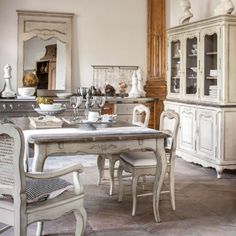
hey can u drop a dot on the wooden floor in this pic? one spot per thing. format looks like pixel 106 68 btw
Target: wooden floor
pixel 205 206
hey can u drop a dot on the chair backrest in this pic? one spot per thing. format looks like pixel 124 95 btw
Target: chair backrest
pixel 12 177
pixel 169 123
pixel 137 115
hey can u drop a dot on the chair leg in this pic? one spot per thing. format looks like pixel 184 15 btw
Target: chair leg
pixel 81 219
pixel 39 230
pixel 120 180
pixel 100 164
pixel 111 173
pixel 172 185
pixel 20 223
pixel 134 193
pixel 144 182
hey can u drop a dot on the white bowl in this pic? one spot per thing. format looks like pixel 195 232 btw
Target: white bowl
pixel 26 91
pixel 50 107
pixel 64 95
pixel 213 72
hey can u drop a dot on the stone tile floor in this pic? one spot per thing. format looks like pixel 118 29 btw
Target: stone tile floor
pixel 205 206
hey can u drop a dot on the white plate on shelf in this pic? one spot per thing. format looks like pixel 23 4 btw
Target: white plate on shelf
pixel 50 112
pixel 64 95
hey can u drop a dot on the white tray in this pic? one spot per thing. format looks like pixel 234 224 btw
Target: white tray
pixel 46 122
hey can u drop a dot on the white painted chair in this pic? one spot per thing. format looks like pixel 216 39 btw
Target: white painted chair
pixel 145 163
pixel 139 120
pixel 24 197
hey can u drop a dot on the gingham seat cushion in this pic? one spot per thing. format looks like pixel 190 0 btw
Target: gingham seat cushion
pixel 38 190
pixel 43 189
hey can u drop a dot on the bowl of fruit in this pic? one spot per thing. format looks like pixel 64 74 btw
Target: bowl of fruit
pixel 48 107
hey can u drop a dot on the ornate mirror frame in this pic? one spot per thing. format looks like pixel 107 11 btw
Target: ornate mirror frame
pixel 45 25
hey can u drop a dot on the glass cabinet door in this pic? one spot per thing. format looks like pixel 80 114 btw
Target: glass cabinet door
pixel 210 65
pixel 175 67
pixel 191 66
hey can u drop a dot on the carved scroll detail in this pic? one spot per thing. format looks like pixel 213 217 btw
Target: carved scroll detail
pixel 103 147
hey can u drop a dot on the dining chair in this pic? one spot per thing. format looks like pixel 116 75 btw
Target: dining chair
pixel 138 119
pixel 27 197
pixel 145 163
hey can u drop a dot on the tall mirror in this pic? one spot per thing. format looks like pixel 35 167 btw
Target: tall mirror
pixel 44 47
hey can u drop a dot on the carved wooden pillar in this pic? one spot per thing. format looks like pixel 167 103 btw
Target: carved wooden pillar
pixel 156 82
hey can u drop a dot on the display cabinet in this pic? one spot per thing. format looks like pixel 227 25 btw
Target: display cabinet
pixel 201 88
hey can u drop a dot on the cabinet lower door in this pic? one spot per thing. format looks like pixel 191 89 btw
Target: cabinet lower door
pixel 206 132
pixel 187 129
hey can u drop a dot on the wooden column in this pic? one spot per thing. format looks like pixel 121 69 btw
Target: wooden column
pixel 156 81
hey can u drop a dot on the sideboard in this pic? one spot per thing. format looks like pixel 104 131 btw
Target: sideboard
pixel 123 107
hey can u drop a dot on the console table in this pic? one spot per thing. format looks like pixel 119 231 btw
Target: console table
pixel 121 106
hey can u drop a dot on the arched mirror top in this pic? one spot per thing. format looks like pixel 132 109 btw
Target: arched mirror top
pixel 54 31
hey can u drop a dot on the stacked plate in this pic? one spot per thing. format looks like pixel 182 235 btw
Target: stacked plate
pixel 213 90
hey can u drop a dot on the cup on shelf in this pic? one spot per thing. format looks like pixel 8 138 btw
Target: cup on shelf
pixel 213 72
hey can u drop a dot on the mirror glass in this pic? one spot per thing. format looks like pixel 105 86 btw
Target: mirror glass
pixel 47 58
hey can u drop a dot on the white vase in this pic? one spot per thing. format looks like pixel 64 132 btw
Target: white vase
pixel 134 92
pixel 140 83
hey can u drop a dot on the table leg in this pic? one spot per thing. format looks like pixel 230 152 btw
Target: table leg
pixel 159 179
pixel 39 157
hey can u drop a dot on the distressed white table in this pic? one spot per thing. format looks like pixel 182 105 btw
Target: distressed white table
pixel 105 141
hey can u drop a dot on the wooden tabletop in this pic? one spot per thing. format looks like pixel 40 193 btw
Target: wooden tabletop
pixel 123 131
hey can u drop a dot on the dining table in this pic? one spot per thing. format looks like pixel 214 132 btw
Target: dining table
pixel 104 139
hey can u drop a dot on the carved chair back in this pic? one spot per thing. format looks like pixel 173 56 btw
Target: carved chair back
pixel 12 177
pixel 169 123
pixel 137 115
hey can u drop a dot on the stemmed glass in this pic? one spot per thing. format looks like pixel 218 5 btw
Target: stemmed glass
pixel 75 102
pixel 100 101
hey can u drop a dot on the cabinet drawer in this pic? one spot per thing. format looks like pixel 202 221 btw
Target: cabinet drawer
pixel 15 106
pixel 125 108
pixel 126 118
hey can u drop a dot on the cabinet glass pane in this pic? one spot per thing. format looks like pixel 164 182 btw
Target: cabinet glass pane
pixel 210 65
pixel 191 68
pixel 175 67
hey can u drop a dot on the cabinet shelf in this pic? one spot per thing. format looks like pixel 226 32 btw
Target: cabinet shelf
pixel 192 77
pixel 176 57
pixel 211 53
pixel 192 55
pixel 211 77
pixel 175 77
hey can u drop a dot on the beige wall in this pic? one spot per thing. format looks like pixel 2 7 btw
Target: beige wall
pixel 105 32
pixel 200 8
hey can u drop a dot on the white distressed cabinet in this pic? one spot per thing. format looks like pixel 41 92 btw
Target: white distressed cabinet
pixel 201 83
